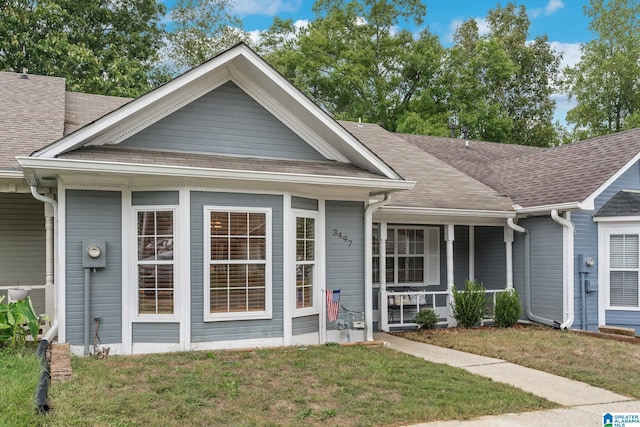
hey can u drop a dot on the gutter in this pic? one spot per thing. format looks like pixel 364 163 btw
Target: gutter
pixel 368 264
pixel 50 254
pixel 567 268
pixel 527 276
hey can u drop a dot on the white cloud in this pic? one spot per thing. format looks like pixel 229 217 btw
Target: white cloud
pixel 483 27
pixel 265 7
pixel 570 53
pixel 552 7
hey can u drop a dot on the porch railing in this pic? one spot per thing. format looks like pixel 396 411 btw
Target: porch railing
pixel 402 307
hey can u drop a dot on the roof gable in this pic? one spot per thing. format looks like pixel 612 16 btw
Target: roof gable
pixel 225 121
pixel 624 203
pixel 255 77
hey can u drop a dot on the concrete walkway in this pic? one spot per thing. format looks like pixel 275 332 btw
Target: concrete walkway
pixel 583 405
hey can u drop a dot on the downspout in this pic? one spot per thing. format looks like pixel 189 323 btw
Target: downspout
pixel 567 267
pixel 368 260
pixel 51 229
pixel 527 276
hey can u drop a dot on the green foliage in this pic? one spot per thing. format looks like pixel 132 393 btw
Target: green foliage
pixel 469 305
pixel 203 28
pixel 605 83
pixel 352 60
pixel 107 47
pixel 426 319
pixel 500 83
pixel 507 310
pixel 18 320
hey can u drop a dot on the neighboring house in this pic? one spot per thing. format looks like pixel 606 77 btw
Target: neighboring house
pixel 216 210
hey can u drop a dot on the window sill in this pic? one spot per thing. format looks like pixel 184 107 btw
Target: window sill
pixel 305 312
pixel 230 317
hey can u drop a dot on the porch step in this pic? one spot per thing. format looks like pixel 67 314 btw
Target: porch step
pixel 60 365
pixel 616 330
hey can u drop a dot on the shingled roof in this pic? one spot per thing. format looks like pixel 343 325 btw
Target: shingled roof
pixel 439 185
pixel 537 176
pixel 31 115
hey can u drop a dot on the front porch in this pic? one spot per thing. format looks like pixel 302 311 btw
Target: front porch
pixel 416 266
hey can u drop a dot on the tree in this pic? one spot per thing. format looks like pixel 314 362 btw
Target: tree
pixel 606 81
pixel 500 85
pixel 351 59
pixel 203 28
pixel 107 47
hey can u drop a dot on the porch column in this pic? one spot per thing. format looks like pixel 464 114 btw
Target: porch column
pixel 49 261
pixel 472 253
pixel 383 306
pixel 449 238
pixel 508 242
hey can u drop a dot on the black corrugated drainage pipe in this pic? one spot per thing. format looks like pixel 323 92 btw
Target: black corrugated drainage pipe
pixel 527 277
pixel 42 389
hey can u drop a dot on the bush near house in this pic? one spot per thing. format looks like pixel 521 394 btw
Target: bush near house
pixel 426 319
pixel 18 321
pixel 469 305
pixel 507 308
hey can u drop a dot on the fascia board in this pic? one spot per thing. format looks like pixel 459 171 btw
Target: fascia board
pixel 617 219
pixel 548 208
pixel 401 215
pixel 56 165
pixel 590 200
pixel 447 212
pixel 80 137
pixel 11 174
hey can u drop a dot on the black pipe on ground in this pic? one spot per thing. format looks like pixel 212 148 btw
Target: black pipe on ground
pixel 42 389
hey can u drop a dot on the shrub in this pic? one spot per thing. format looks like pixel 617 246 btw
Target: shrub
pixel 426 319
pixel 469 305
pixel 18 321
pixel 507 310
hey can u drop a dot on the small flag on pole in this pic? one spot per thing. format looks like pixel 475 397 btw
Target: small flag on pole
pixel 333 304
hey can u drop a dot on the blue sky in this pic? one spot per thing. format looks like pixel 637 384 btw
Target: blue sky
pixel 563 21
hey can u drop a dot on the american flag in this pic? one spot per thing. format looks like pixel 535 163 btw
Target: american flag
pixel 333 304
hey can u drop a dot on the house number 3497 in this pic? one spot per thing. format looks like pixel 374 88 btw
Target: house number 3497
pixel 337 233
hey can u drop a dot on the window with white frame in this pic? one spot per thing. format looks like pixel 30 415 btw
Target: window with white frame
pixel 155 261
pixel 624 269
pixel 237 263
pixel 412 255
pixel 306 262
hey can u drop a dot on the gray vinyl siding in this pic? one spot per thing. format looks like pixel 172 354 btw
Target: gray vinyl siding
pixel 168 333
pixel 225 121
pixel 22 252
pixel 150 198
pixel 586 242
pixel 93 215
pixel 243 329
pixel 490 257
pixel 304 203
pixel 344 262
pixel 305 325
pixel 546 266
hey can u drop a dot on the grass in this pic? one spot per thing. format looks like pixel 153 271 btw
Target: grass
pixel 326 385
pixel 19 370
pixel 602 363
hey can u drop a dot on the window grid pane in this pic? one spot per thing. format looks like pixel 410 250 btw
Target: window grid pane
pixel 155 262
pixel 305 261
pixel 237 265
